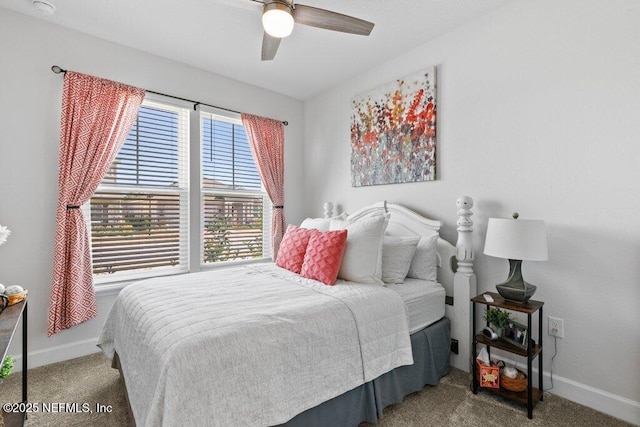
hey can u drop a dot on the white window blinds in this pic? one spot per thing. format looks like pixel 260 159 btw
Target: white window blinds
pixel 236 220
pixel 139 215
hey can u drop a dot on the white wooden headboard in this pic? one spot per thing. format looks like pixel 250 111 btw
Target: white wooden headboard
pixel 404 222
pixel 455 263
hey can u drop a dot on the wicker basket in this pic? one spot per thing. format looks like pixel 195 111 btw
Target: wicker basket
pixel 517 384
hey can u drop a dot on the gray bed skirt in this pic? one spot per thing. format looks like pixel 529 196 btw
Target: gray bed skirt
pixel 430 346
pixel 431 351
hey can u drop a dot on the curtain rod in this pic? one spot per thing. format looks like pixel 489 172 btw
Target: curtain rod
pixel 59 70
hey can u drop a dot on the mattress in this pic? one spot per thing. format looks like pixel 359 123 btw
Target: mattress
pixel 424 300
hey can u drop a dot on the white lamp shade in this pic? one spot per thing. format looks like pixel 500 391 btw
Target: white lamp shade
pixel 522 239
pixel 277 20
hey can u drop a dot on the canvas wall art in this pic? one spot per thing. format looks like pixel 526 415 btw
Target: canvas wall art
pixel 393 132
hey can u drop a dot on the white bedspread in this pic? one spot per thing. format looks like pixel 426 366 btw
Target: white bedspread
pixel 252 345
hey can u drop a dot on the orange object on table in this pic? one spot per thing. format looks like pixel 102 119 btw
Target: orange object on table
pixel 488 375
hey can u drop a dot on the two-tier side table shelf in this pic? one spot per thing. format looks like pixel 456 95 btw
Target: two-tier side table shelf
pixel 9 319
pixel 531 395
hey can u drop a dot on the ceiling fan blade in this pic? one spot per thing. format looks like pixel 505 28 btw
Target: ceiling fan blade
pixel 269 47
pixel 328 20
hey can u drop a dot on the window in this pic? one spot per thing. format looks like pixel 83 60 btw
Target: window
pixel 139 214
pixel 236 220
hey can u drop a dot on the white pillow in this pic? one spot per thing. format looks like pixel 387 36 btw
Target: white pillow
pixel 425 262
pixel 397 253
pixel 362 259
pixel 321 224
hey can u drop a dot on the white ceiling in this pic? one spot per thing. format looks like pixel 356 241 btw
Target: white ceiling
pixel 225 36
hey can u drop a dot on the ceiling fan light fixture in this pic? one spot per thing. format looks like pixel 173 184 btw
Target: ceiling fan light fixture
pixel 277 19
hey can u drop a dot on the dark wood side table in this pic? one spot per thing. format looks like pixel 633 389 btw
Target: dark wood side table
pixel 9 319
pixel 531 395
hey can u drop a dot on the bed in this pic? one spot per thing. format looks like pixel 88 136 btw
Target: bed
pixel 260 345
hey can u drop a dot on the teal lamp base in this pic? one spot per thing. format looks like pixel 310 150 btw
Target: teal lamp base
pixel 515 288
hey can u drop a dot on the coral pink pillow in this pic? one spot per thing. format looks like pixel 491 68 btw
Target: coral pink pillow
pixel 324 255
pixel 292 248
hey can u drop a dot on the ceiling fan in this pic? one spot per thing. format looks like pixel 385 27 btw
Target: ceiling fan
pixel 279 16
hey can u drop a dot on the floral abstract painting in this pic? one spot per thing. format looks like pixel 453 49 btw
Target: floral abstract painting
pixel 393 132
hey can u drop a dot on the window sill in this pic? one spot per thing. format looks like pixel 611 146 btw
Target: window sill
pixel 103 288
pixel 110 289
pixel 225 264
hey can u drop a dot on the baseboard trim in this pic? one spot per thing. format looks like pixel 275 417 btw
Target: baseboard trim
pixel 58 353
pixel 612 404
pixel 600 400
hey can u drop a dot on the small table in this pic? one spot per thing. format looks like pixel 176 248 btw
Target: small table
pixel 531 396
pixel 9 319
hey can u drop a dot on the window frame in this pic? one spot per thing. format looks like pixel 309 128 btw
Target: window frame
pixel 192 227
pixel 233 118
pixel 183 190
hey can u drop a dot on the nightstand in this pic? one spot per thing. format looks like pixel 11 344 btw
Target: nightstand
pixel 531 396
pixel 9 319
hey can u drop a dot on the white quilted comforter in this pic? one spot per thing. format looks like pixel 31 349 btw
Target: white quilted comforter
pixel 251 345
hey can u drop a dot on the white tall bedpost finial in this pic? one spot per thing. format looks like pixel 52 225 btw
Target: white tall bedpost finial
pixel 464 246
pixel 328 209
pixel 464 287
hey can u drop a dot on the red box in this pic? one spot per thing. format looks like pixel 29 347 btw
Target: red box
pixel 488 376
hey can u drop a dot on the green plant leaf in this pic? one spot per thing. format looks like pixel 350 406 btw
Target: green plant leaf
pixel 497 317
pixel 7 367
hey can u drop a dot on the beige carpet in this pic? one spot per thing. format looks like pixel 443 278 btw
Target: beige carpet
pixel 91 380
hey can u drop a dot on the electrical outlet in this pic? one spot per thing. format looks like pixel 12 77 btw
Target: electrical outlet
pixel 556 327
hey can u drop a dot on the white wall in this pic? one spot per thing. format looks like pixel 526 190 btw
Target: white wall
pixel 30 98
pixel 539 105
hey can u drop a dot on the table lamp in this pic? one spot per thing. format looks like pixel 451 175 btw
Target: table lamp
pixel 517 240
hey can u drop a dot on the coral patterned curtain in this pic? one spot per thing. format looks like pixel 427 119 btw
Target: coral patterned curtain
pixel 97 115
pixel 266 138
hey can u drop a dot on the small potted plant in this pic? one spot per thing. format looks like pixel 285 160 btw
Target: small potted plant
pixel 499 319
pixel 7 367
